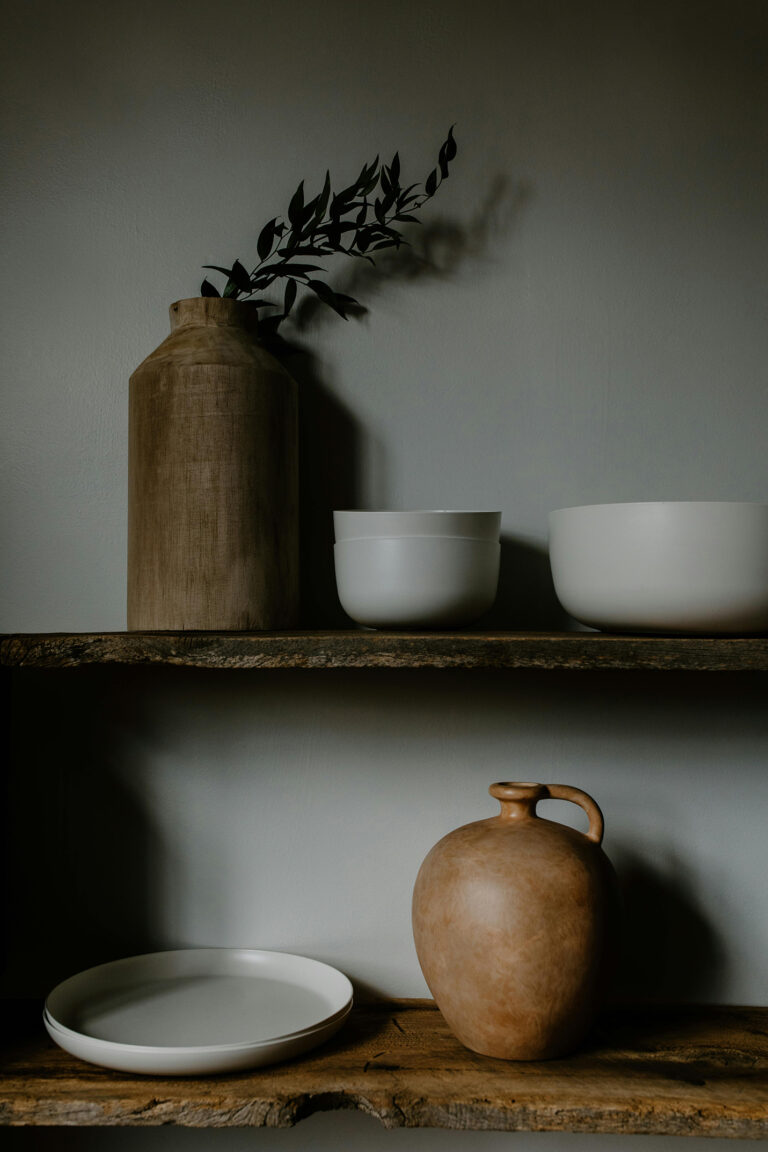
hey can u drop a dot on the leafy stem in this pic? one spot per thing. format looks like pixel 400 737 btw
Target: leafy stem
pixel 359 221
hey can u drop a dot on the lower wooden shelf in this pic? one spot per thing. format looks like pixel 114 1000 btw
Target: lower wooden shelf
pixel 664 1071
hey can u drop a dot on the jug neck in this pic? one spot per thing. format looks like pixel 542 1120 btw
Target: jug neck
pixel 518 800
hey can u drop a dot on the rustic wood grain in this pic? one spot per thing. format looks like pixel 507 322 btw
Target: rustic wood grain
pixel 576 651
pixel 665 1071
pixel 213 477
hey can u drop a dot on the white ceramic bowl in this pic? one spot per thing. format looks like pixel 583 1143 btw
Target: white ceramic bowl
pixel 470 525
pixel 416 581
pixel 664 566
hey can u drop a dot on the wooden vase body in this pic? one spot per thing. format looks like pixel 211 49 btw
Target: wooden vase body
pixel 213 478
pixel 511 922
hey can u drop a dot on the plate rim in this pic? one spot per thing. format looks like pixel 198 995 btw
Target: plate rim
pixel 51 1022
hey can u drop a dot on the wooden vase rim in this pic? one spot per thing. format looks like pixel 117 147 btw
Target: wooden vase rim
pixel 213 312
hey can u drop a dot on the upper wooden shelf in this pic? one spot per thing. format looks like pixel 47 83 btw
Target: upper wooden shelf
pixel 589 651
pixel 662 1071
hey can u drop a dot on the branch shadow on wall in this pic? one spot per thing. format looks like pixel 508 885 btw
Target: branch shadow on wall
pixel 334 446
pixel 670 951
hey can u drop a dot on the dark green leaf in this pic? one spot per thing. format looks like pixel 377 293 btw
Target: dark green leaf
pixel 360 218
pixel 367 172
pixel 443 162
pixel 231 291
pixel 296 206
pixel 309 210
pixel 290 296
pixel 342 199
pixel 216 268
pixel 384 230
pixel 386 184
pixel 266 239
pixel 369 187
pixel 388 200
pixel 327 295
pixel 262 304
pixel 394 168
pixel 240 276
pixel 347 299
pixel 450 145
pixel 289 269
pixel 378 208
pixel 334 231
pixel 303 250
pixel 430 186
pixel 207 289
pixel 324 197
pixel 406 219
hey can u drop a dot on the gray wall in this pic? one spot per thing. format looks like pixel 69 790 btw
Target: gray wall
pixel 587 323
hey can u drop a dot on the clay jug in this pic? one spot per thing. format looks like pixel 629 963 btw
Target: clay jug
pixel 512 919
pixel 213 477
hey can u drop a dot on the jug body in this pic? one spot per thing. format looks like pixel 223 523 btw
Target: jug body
pixel 513 918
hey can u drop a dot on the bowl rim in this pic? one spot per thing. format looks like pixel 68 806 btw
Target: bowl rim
pixel 417 511
pixel 664 504
pixel 415 536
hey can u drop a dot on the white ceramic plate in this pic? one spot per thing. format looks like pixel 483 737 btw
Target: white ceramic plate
pixel 198 1011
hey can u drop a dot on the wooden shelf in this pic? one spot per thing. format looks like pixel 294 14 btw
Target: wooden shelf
pixel 585 651
pixel 663 1071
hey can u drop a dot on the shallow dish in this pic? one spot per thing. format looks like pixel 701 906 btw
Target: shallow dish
pixel 356 525
pixel 663 566
pixel 198 1011
pixel 416 581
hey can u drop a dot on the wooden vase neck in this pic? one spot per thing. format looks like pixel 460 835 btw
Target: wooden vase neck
pixel 213 312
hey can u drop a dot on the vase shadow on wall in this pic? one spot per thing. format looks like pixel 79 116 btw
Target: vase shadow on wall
pixel 82 858
pixel 670 951
pixel 332 442
pixel 341 464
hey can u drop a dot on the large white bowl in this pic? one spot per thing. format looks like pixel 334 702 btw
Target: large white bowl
pixel 663 566
pixel 471 525
pixel 416 581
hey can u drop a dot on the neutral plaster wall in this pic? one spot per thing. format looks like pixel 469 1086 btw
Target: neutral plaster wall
pixel 588 324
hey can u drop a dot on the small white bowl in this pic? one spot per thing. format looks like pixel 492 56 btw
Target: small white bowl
pixel 663 566
pixel 416 581
pixel 365 525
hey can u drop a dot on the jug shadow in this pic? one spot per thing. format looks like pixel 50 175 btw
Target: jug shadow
pixel 670 952
pixel 81 855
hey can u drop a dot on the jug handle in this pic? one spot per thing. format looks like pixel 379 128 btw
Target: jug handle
pixel 576 796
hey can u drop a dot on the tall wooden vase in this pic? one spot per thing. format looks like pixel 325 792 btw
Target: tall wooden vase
pixel 213 478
